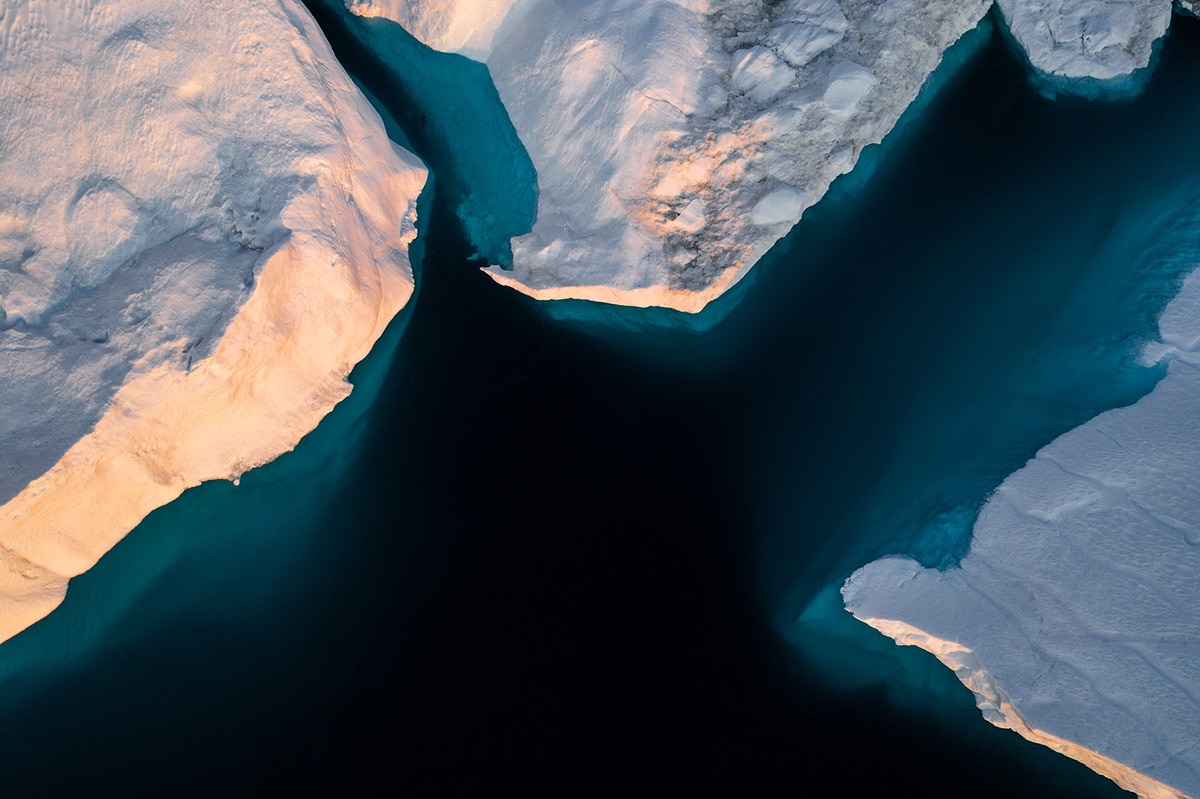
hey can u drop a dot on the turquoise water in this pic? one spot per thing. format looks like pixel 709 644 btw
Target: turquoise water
pixel 570 558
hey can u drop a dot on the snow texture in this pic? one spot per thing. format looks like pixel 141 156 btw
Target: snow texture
pixel 1075 617
pixel 203 227
pixel 676 141
pixel 634 111
pixel 1101 39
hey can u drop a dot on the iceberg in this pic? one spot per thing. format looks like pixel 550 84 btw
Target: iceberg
pixel 1075 615
pixel 203 227
pixel 1096 39
pixel 676 141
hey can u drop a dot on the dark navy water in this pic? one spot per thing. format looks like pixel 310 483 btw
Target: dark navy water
pixel 575 558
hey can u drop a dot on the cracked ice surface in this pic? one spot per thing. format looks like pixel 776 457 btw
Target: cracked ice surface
pixel 203 227
pixel 1078 605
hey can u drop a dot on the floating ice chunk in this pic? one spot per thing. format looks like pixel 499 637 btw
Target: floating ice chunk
pixel 848 85
pixel 782 206
pixel 761 74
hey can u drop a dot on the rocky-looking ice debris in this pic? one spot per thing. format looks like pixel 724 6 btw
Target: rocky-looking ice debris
pixel 203 227
pixel 1075 617
pixel 675 141
pixel 1101 39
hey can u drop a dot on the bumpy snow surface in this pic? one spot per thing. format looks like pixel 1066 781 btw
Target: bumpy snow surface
pixel 1075 617
pixel 202 229
pixel 675 141
pixel 1102 39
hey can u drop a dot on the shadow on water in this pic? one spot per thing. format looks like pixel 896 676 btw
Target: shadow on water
pixel 549 560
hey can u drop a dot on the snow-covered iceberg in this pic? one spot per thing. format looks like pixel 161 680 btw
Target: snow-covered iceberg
pixel 1075 616
pixel 676 141
pixel 203 227
pixel 1097 39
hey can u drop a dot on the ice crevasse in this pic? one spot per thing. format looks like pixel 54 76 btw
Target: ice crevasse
pixel 676 141
pixel 203 227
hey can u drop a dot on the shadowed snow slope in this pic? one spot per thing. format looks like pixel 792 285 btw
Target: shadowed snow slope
pixel 203 227
pixel 1075 617
pixel 676 141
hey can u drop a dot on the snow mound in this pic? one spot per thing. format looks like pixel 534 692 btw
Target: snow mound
pixel 1101 39
pixel 634 110
pixel 1075 617
pixel 203 227
pixel 459 26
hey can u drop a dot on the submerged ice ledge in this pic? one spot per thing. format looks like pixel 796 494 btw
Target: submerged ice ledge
pixel 1075 616
pixel 203 229
pixel 676 141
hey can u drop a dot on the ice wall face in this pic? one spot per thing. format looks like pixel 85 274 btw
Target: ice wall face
pixel 1101 39
pixel 675 142
pixel 202 229
pixel 1075 617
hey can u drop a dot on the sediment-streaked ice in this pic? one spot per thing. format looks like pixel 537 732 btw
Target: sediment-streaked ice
pixel 1075 616
pixel 203 227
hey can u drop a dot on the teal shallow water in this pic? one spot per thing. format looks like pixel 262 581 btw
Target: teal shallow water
pixel 558 558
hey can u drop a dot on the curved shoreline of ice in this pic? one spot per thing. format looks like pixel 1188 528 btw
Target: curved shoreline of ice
pixel 676 141
pixel 1075 616
pixel 221 236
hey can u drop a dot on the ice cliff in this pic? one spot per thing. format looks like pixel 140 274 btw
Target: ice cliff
pixel 1075 617
pixel 203 227
pixel 676 141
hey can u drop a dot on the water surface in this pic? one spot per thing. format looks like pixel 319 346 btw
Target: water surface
pixel 568 559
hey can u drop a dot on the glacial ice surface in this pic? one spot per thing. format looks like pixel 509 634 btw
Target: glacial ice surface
pixel 1075 616
pixel 675 141
pixel 1100 39
pixel 638 115
pixel 203 227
